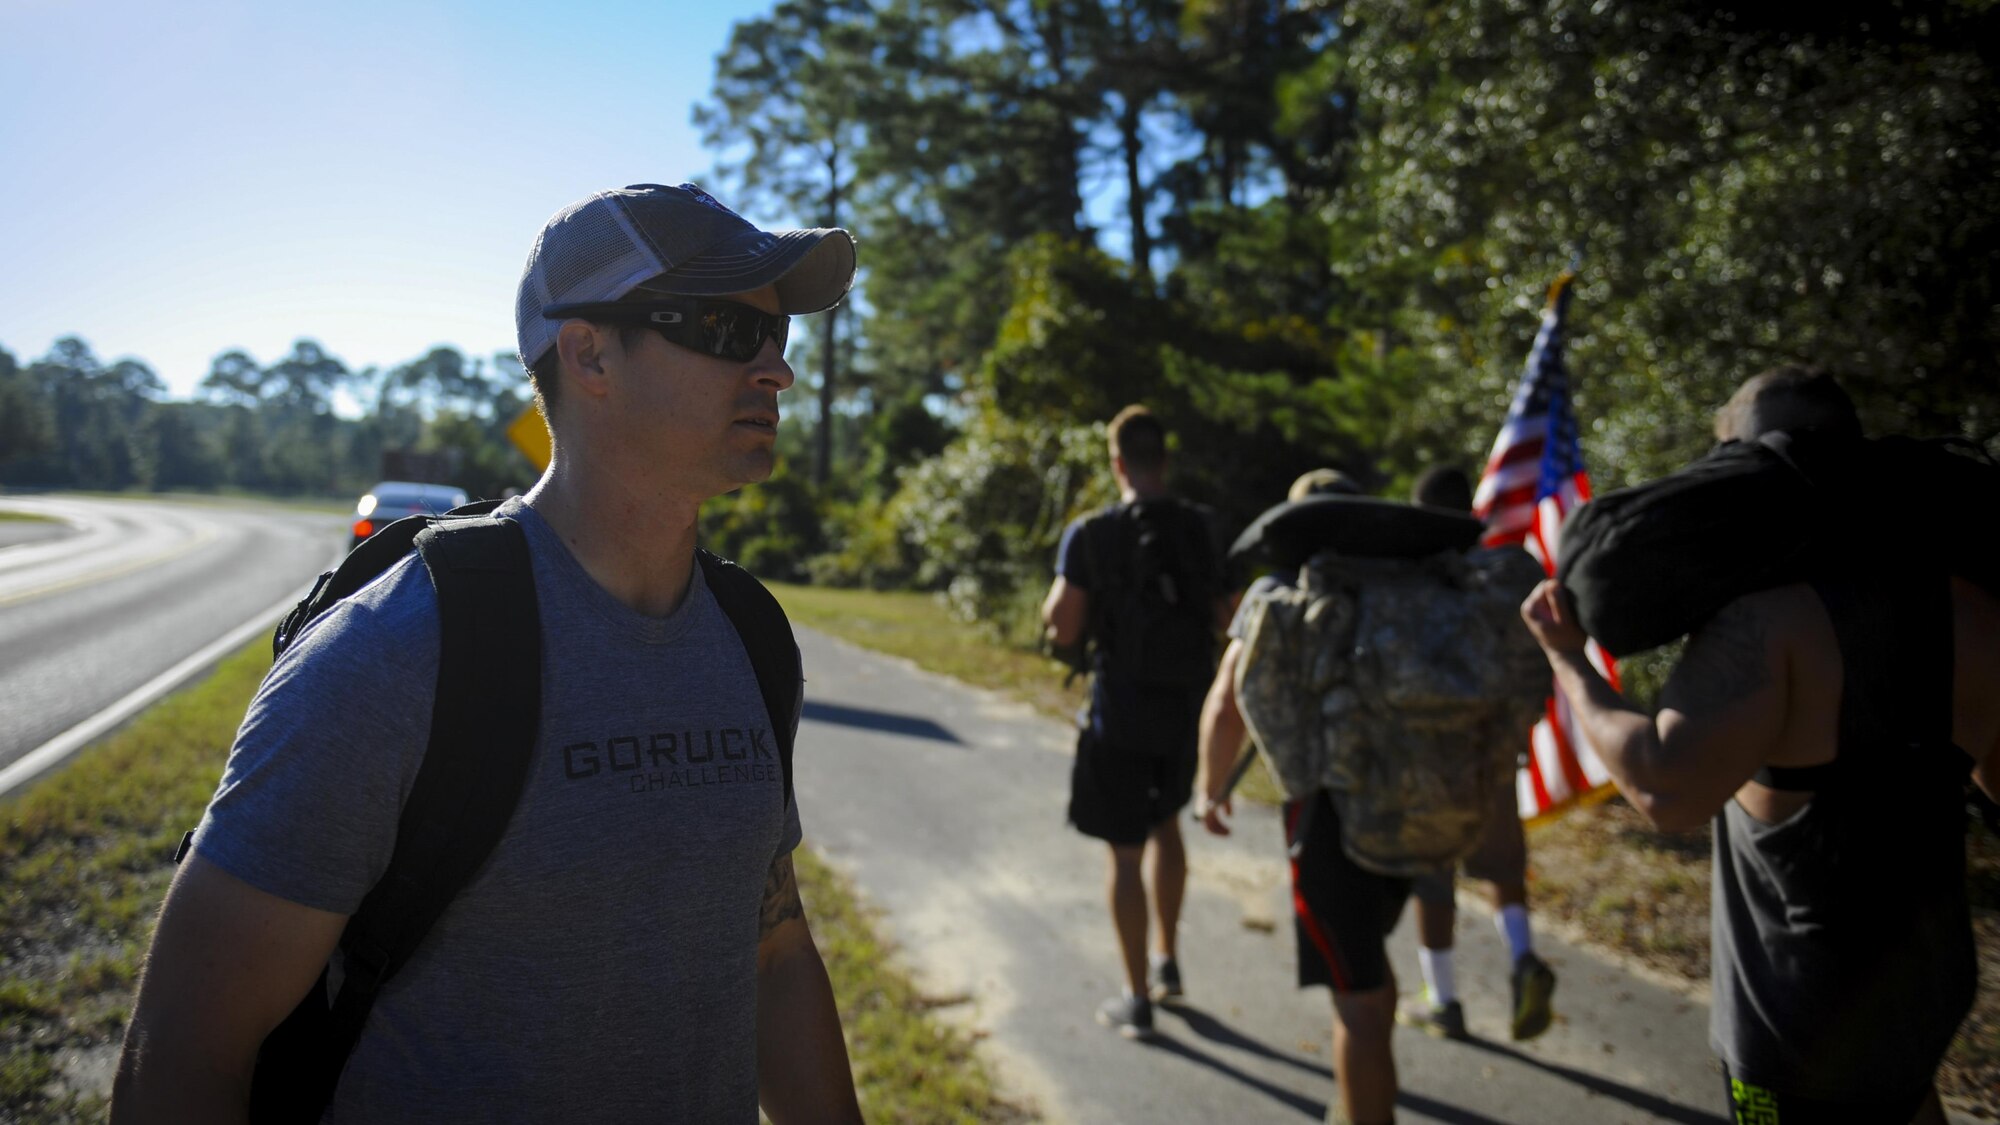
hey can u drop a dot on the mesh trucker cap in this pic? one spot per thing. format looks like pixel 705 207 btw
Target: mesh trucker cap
pixel 671 240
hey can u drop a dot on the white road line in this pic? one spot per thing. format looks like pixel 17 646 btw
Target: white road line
pixel 53 752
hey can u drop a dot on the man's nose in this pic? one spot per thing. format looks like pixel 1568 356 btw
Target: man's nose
pixel 770 368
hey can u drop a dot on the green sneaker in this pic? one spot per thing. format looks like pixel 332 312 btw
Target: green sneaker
pixel 1446 1021
pixel 1534 987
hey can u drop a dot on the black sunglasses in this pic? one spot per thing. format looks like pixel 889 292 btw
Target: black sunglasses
pixel 727 329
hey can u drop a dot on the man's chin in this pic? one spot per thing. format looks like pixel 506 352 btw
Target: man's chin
pixel 754 469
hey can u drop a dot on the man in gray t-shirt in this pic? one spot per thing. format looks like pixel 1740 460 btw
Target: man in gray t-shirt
pixel 634 949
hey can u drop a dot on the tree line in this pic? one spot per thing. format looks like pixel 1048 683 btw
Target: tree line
pixel 1323 233
pixel 72 420
pixel 1333 224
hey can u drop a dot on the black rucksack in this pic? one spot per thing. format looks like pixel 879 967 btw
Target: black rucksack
pixel 1154 580
pixel 483 727
pixel 1286 535
pixel 1651 563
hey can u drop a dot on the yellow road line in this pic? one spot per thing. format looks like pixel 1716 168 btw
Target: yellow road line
pixel 202 537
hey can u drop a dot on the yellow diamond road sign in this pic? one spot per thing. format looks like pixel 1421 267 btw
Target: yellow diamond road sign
pixel 530 435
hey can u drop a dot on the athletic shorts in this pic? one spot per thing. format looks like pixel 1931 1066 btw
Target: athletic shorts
pixel 1761 1105
pixel 1119 796
pixel 1501 856
pixel 1342 912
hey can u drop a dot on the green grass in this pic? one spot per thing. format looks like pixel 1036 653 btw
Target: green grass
pixel 918 628
pixel 86 855
pixel 908 1066
pixel 10 514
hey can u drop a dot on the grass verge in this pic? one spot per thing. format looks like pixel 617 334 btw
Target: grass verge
pixel 918 628
pixel 17 516
pixel 908 1066
pixel 1602 872
pixel 86 857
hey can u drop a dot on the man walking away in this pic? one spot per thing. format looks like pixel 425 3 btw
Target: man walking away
pixel 1501 860
pixel 1141 583
pixel 1825 728
pixel 1344 910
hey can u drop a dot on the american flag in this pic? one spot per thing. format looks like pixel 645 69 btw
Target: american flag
pixel 1534 478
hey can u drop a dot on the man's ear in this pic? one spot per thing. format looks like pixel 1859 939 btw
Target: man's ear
pixel 582 347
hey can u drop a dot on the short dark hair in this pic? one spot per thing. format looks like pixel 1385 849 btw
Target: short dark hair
pixel 1444 486
pixel 1792 397
pixel 545 374
pixel 1139 440
pixel 1323 482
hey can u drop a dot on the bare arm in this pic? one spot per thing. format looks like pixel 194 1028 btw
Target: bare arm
pixel 802 1071
pixel 1222 733
pixel 228 963
pixel 1975 670
pixel 1722 711
pixel 1065 612
pixel 1225 610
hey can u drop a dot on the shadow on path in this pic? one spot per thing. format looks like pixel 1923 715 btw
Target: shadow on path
pixel 1215 1031
pixel 1442 1111
pixel 1309 1107
pixel 1637 1099
pixel 888 722
pixel 1312 1109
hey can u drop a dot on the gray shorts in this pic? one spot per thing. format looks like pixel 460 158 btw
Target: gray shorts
pixel 1501 855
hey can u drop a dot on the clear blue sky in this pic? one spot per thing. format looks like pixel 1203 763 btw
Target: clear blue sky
pixel 180 179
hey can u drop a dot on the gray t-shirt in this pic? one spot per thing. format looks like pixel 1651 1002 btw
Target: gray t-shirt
pixel 602 965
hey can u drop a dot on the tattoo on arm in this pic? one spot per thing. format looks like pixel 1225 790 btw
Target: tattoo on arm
pixel 1726 661
pixel 781 897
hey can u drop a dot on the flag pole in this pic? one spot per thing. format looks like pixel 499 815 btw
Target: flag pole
pixel 1561 284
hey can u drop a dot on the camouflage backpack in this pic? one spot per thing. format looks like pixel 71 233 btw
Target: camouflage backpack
pixel 1403 687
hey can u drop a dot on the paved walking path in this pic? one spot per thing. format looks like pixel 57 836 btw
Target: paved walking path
pixel 946 804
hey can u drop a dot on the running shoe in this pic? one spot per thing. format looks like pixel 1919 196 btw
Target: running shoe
pixel 1446 1021
pixel 1130 1016
pixel 1164 981
pixel 1534 987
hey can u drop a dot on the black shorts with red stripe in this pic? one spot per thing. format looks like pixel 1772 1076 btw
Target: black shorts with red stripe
pixel 1343 912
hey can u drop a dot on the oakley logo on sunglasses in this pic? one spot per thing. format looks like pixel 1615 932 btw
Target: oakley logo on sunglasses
pixel 726 329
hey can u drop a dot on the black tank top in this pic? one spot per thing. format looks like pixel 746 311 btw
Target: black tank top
pixel 1842 944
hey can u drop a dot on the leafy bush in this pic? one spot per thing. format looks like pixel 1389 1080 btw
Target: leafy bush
pixel 771 528
pixel 984 517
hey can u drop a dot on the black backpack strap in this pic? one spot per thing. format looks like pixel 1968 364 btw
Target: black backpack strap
pixel 767 636
pixel 483 728
pixel 362 565
pixel 1106 582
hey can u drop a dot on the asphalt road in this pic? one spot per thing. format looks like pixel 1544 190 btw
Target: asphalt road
pixel 131 591
pixel 946 806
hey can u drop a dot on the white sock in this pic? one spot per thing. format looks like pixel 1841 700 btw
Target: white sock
pixel 1157 959
pixel 1440 984
pixel 1512 922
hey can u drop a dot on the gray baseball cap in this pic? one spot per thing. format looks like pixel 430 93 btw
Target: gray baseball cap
pixel 676 241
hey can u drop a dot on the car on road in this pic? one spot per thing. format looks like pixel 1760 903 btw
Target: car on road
pixel 391 500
